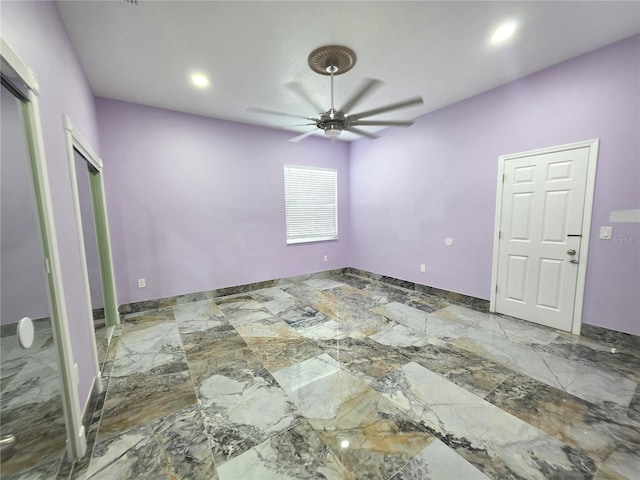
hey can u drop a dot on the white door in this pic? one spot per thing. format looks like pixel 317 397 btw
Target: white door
pixel 540 226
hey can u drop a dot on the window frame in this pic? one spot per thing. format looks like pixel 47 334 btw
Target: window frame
pixel 297 238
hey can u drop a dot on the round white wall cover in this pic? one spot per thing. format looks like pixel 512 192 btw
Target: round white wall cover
pixel 25 332
pixel 448 241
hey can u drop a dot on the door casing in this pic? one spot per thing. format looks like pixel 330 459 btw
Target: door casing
pixel 75 141
pixel 22 80
pixel 593 146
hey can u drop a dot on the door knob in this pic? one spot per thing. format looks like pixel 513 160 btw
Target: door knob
pixel 571 251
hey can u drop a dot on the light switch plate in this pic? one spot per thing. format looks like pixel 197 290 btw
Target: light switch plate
pixel 605 233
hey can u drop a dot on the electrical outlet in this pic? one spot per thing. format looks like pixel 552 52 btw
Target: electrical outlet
pixel 423 267
pixel 142 283
pixel 326 257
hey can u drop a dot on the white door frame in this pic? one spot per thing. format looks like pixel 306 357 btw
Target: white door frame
pixel 593 146
pixel 23 80
pixel 75 141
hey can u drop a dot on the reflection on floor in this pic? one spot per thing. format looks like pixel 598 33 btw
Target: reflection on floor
pixel 31 404
pixel 346 378
pixel 102 340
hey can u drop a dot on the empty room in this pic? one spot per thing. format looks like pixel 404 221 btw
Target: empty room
pixel 255 240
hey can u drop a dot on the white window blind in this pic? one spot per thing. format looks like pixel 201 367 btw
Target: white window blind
pixel 311 203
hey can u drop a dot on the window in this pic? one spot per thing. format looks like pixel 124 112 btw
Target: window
pixel 311 203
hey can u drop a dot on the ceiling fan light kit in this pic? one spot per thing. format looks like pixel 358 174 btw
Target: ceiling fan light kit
pixel 332 60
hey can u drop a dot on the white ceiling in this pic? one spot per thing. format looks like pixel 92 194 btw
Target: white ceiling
pixel 145 53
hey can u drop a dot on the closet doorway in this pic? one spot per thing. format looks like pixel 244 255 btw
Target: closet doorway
pixel 86 168
pixel 40 406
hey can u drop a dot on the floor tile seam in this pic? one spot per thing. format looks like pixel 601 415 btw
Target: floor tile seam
pixel 512 375
pixel 57 474
pixel 566 388
pixel 607 349
pixel 483 402
pixel 494 447
pixel 145 425
pixel 153 365
pixel 143 313
pixel 634 351
pixel 207 435
pixel 270 435
pixel 186 360
pixel 434 439
pixel 417 293
pixel 102 411
pixel 129 320
pixel 139 426
pixel 338 454
pixel 398 412
pixel 257 355
pixel 112 435
pixel 513 367
pixel 541 355
pixel 247 345
pixel 450 441
pixel 601 464
pixel 469 325
pixel 72 472
pixel 628 417
pixel 208 356
pixel 589 363
pixel 128 353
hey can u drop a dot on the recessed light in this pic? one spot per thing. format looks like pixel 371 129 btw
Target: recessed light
pixel 504 31
pixel 200 80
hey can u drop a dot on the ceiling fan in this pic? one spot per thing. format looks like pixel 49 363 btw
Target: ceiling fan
pixel 335 60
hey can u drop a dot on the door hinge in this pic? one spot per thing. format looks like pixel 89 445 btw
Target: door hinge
pixel 503 178
pixel 46 266
pixel 499 235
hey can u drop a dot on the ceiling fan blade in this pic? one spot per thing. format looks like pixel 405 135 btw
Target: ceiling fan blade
pixel 361 132
pixel 298 89
pixel 365 89
pixel 382 123
pixel 273 112
pixel 304 135
pixel 394 106
pixel 298 125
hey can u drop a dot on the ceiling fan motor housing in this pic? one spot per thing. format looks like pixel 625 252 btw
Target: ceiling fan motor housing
pixel 332 122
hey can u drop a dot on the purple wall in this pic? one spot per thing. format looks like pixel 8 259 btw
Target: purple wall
pixel 196 203
pixel 23 280
pixel 412 188
pixel 35 31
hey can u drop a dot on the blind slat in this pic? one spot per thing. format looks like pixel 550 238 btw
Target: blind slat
pixel 311 203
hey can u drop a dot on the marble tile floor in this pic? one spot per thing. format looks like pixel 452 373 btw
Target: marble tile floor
pixel 349 378
pixel 30 390
pixel 31 404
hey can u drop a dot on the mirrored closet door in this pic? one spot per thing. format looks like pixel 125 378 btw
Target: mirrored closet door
pixel 31 401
